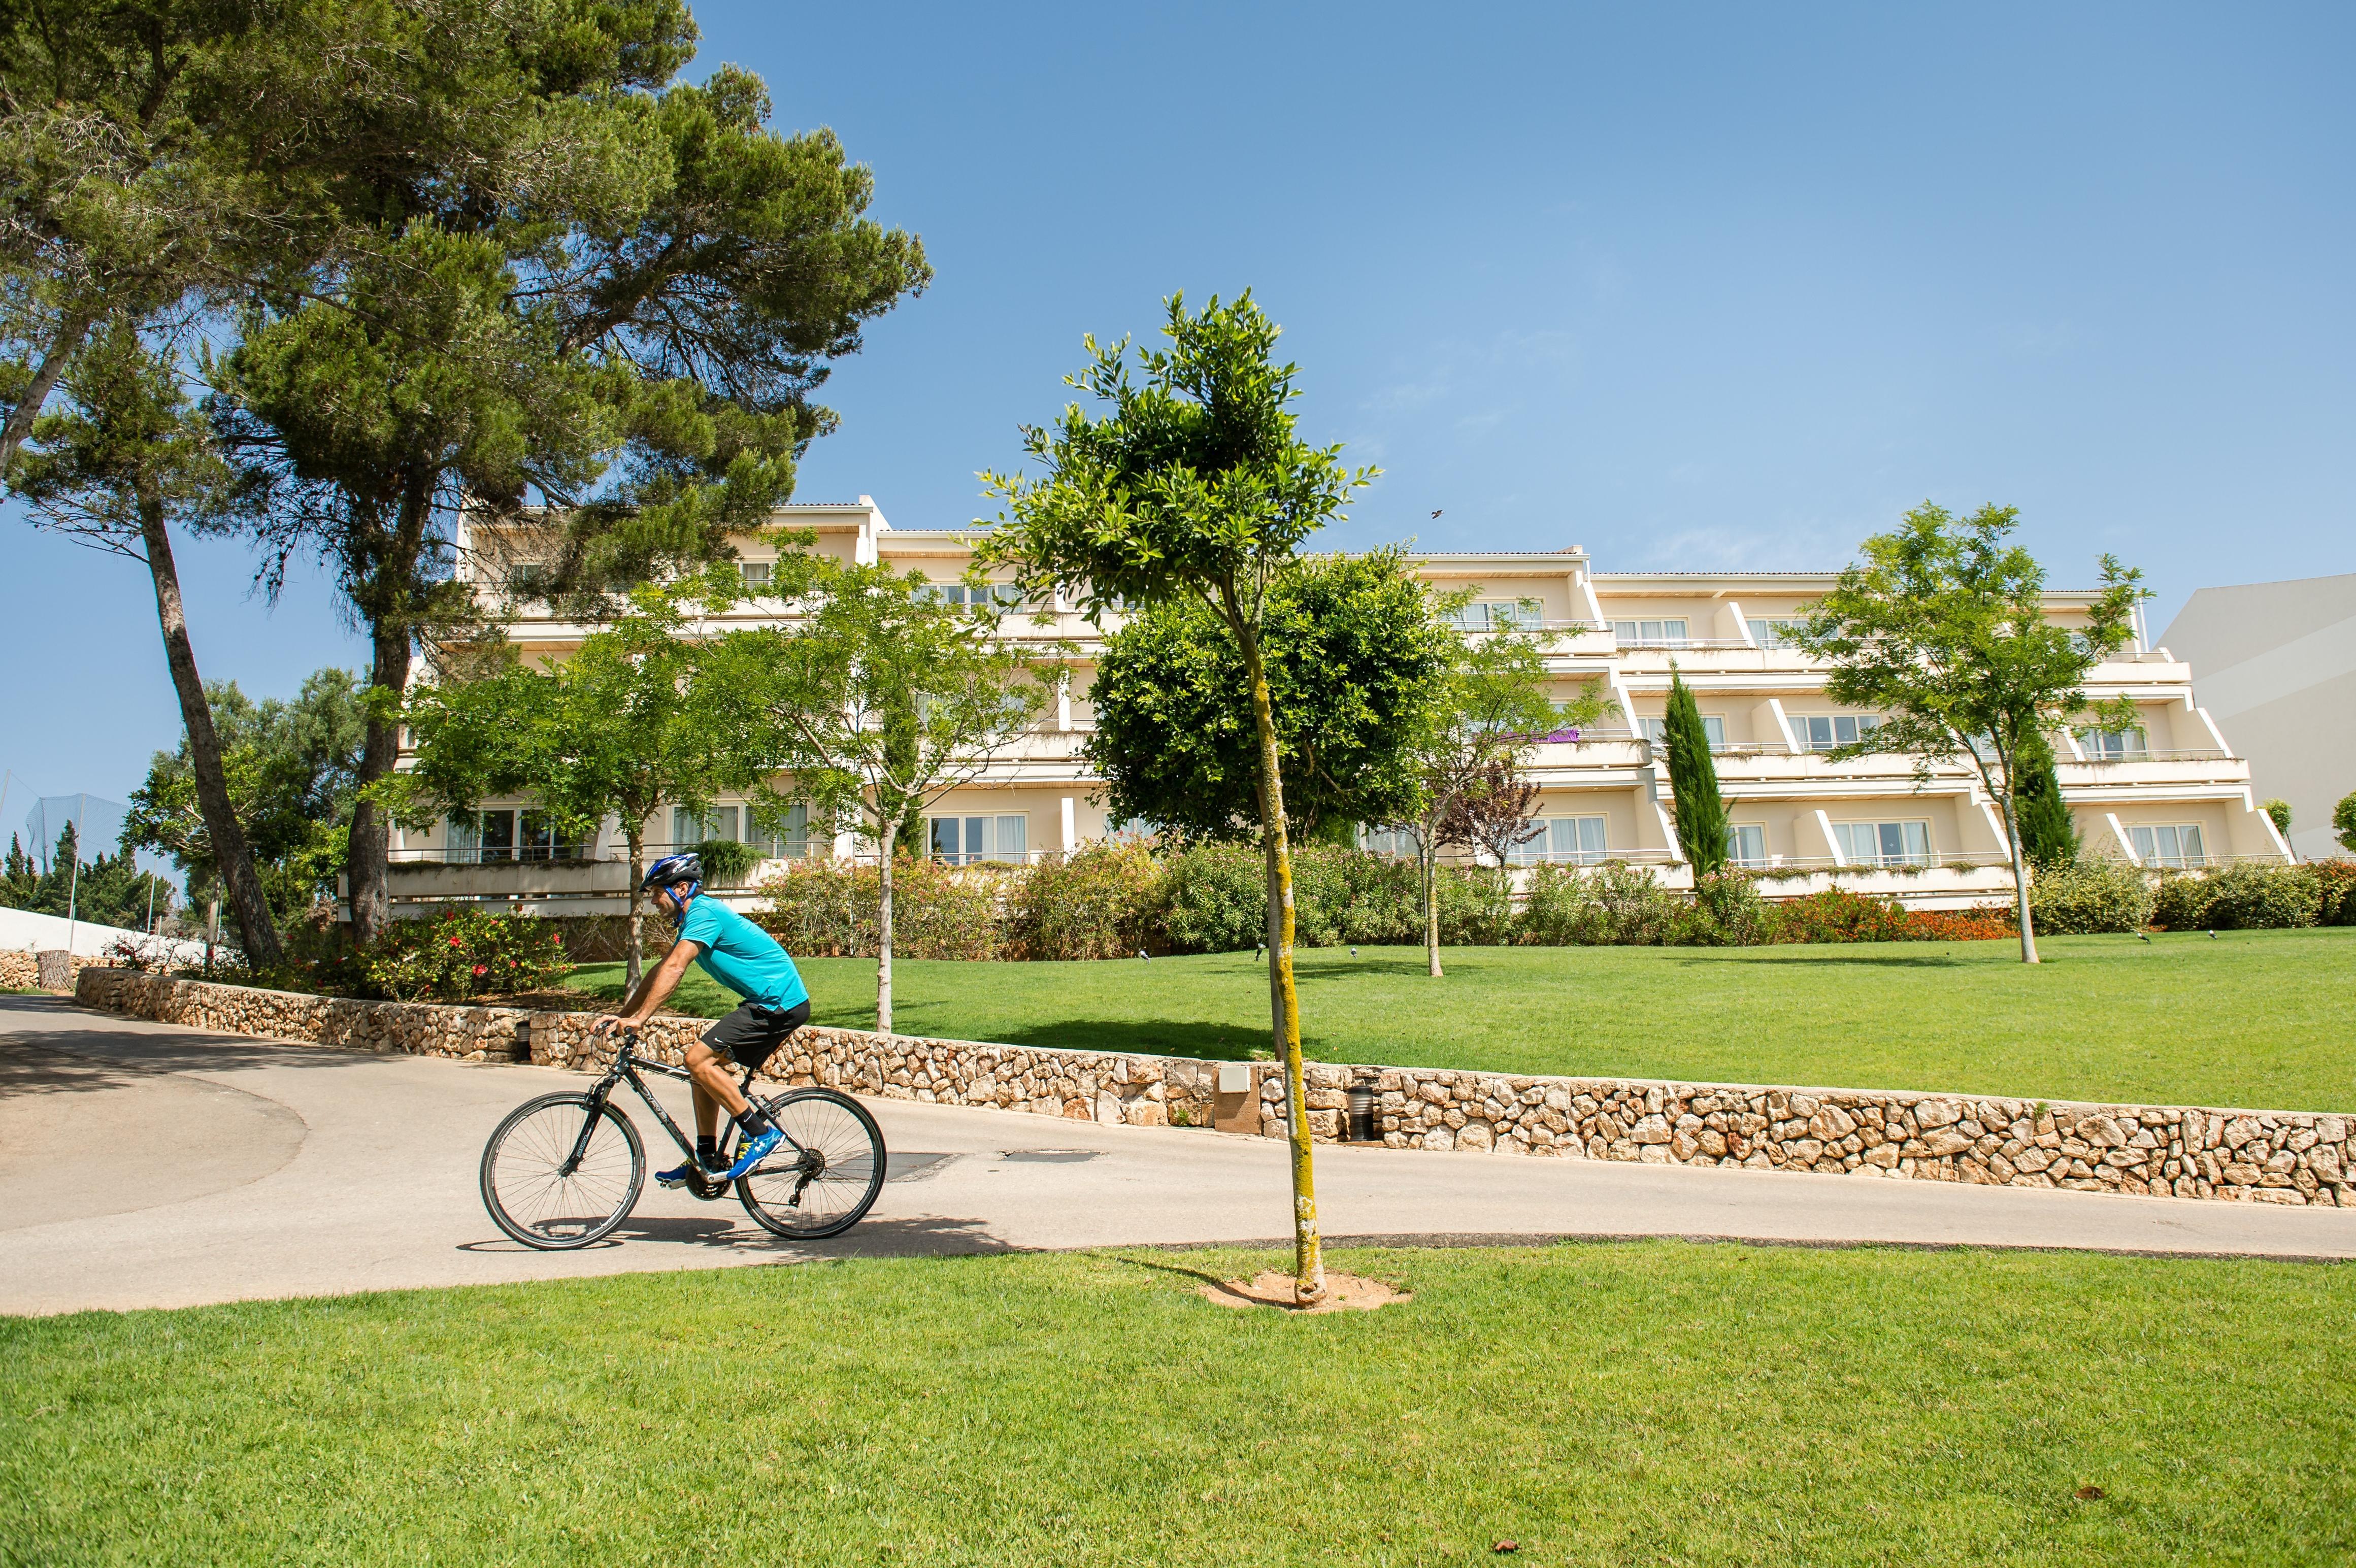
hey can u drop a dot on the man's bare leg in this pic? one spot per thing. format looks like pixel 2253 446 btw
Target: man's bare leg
pixel 713 1088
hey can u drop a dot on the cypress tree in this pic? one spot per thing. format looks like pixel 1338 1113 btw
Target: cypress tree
pixel 2049 835
pixel 1693 782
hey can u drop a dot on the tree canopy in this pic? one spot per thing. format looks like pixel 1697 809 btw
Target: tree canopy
pixel 1942 628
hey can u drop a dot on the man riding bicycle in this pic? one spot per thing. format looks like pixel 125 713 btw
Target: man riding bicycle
pixel 748 961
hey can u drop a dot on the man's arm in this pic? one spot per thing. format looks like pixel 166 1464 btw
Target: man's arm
pixel 660 982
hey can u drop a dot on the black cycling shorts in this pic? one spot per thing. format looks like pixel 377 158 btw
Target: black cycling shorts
pixel 751 1034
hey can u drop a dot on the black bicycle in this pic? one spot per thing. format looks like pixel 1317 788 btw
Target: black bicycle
pixel 564 1169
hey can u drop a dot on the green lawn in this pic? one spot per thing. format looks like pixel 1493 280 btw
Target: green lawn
pixel 2250 1018
pixel 1606 1404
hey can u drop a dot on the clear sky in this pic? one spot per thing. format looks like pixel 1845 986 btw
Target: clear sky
pixel 1689 286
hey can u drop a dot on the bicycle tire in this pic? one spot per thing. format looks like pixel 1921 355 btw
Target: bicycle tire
pixel 558 1213
pixel 806 1204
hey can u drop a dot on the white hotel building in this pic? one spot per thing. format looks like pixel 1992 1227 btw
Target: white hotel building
pixel 2168 792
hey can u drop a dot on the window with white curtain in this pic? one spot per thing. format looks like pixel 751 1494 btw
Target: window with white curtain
pixel 1650 634
pixel 1497 615
pixel 1577 840
pixel 1822 731
pixel 1773 634
pixel 2174 844
pixel 1656 730
pixel 1746 844
pixel 1883 843
pixel 689 829
pixel 1398 843
pixel 968 840
pixel 756 574
pixel 791 844
pixel 2112 745
pixel 482 837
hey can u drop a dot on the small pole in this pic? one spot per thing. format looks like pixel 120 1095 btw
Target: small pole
pixel 151 901
pixel 213 930
pixel 73 881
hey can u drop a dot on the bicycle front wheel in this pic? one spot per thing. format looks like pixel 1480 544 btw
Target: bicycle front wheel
pixel 540 1195
pixel 825 1178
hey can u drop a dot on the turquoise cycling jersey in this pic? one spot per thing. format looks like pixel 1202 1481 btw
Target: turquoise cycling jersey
pixel 741 955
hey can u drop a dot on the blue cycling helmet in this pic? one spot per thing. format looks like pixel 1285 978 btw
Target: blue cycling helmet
pixel 673 870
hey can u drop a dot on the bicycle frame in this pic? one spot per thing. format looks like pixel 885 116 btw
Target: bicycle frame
pixel 624 1070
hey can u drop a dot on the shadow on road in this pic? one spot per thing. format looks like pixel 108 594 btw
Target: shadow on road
pixel 915 1238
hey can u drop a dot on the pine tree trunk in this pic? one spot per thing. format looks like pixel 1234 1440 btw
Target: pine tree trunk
pixel 2019 881
pixel 71 328
pixel 256 929
pixel 883 933
pixel 636 833
pixel 1309 1262
pixel 369 846
pixel 1428 854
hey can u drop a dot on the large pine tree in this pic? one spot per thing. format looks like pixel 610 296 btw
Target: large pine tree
pixel 1693 782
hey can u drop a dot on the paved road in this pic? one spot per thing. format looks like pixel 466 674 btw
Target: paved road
pixel 143 1164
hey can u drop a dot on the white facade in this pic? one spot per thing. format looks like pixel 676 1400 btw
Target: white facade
pixel 2169 792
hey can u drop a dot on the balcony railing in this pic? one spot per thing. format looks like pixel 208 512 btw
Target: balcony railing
pixel 2164 754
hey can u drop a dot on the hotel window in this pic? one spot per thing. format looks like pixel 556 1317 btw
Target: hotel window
pixel 2112 745
pixel 1656 730
pixel 1576 839
pixel 1822 731
pixel 526 578
pixel 688 830
pixel 2173 845
pixel 1746 843
pixel 538 839
pixel 481 838
pixel 755 573
pixel 1005 595
pixel 792 844
pixel 1773 634
pixel 1650 634
pixel 1397 843
pixel 967 840
pixel 1883 843
pixel 1497 615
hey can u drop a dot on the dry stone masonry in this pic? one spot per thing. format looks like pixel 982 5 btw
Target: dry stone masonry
pixel 2250 1157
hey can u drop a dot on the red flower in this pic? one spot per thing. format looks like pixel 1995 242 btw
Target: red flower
pixel 454 942
pixel 481 970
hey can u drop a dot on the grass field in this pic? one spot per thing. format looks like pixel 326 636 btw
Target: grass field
pixel 2250 1018
pixel 1645 1402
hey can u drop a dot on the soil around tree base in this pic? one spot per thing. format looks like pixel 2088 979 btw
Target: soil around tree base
pixel 1343 1293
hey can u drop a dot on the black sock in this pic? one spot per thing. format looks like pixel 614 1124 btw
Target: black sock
pixel 707 1148
pixel 754 1122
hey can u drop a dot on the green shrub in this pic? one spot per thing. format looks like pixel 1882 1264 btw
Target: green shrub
pixel 2335 883
pixel 1214 899
pixel 727 862
pixel 2263 898
pixel 1101 902
pixel 1476 907
pixel 1613 904
pixel 826 908
pixel 2181 902
pixel 2091 895
pixel 1838 915
pixel 1731 912
pixel 461 953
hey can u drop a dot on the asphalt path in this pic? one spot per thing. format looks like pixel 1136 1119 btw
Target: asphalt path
pixel 145 1165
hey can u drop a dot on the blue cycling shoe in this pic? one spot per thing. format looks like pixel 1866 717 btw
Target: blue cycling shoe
pixel 677 1175
pixel 752 1151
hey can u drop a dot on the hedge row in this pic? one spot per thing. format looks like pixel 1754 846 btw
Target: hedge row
pixel 1115 900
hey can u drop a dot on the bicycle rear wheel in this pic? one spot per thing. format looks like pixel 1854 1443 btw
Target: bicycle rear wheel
pixel 530 1194
pixel 829 1186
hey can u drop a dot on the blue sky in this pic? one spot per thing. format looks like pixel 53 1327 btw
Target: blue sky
pixel 1693 286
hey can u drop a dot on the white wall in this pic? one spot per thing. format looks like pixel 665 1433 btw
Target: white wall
pixel 26 931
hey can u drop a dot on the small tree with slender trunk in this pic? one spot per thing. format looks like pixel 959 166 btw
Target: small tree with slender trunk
pixel 1490 714
pixel 1941 629
pixel 622 728
pixel 882 698
pixel 1693 783
pixel 2049 835
pixel 125 460
pixel 1195 485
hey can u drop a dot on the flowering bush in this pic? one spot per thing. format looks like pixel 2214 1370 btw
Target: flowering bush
pixel 1839 915
pixel 2335 883
pixel 456 955
pixel 826 908
pixel 1098 903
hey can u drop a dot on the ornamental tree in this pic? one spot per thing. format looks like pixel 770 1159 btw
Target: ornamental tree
pixel 1352 659
pixel 1489 713
pixel 1194 485
pixel 2049 834
pixel 880 700
pixel 1693 783
pixel 623 727
pixel 1941 629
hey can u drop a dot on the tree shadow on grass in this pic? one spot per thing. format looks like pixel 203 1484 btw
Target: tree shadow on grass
pixel 1833 958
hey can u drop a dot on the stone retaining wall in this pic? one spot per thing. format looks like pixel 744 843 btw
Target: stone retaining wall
pixel 2265 1157
pixel 21 971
